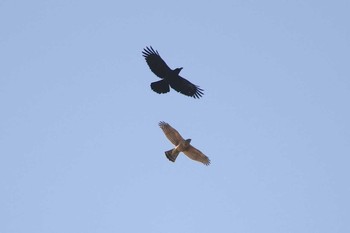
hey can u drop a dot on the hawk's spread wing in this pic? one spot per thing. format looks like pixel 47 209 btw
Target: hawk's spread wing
pixel 171 133
pixel 186 87
pixel 155 62
pixel 197 155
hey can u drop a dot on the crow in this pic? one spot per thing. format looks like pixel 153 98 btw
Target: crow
pixel 169 77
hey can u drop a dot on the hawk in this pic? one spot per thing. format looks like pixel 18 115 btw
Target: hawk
pixel 181 145
pixel 169 77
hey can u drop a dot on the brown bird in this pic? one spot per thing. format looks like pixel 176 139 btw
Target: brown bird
pixel 181 145
pixel 169 77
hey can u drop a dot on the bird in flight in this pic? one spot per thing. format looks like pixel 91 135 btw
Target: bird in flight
pixel 181 145
pixel 169 77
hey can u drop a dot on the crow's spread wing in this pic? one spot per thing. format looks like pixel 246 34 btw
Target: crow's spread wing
pixel 186 87
pixel 155 62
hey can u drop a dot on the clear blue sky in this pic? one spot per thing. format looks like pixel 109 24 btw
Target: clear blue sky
pixel 80 148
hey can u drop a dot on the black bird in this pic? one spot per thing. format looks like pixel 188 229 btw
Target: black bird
pixel 169 76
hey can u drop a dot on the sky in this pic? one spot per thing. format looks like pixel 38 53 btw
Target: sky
pixel 80 146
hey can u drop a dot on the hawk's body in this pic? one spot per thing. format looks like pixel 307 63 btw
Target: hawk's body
pixel 169 77
pixel 181 145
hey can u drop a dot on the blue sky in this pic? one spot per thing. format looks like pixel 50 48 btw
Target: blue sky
pixel 80 146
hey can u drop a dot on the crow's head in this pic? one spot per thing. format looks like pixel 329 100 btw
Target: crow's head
pixel 177 70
